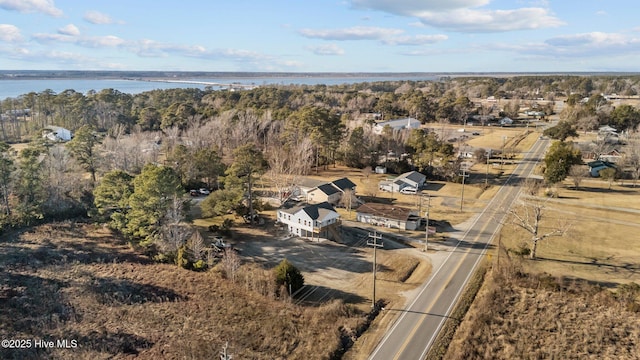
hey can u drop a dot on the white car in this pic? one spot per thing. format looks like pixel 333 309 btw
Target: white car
pixel 408 190
pixel 204 191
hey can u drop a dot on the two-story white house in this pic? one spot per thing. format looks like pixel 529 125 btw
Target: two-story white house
pixel 315 220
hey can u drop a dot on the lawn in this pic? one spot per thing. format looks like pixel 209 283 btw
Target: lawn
pixel 602 244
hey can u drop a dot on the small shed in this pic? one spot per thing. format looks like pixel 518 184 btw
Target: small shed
pixel 56 133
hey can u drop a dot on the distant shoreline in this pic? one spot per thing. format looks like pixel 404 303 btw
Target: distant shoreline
pixel 176 75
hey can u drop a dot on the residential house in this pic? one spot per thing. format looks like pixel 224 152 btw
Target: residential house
pixel 56 133
pixel 311 220
pixel 411 179
pixel 324 193
pixel 506 121
pixel 303 186
pixel 317 191
pixel 596 166
pixel 389 216
pixel 396 125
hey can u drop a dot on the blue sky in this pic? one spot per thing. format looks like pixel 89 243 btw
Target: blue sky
pixel 320 35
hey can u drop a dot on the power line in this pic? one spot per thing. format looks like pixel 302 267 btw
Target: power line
pixel 374 242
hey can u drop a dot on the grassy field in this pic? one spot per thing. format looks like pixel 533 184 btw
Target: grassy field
pixel 602 242
pixel 577 300
pixel 80 282
pixel 518 316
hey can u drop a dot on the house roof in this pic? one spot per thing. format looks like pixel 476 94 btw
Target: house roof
pixel 319 211
pixel 413 176
pixel 386 211
pixel 399 123
pixel 343 184
pixel 600 163
pixel 315 211
pixel 328 189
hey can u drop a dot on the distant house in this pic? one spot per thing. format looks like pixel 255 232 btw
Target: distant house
pixel 318 191
pixel 311 220
pixel 396 125
pixel 411 179
pixel 56 133
pixel 506 121
pixel 596 166
pixel 389 216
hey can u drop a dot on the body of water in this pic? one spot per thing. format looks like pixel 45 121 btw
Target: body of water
pixel 13 88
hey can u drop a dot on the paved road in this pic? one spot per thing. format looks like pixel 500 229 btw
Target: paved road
pixel 416 328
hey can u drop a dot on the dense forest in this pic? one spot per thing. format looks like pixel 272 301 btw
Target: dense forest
pixel 133 156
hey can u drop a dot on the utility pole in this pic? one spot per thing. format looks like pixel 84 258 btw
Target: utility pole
pixel 223 353
pixel 486 176
pixel 426 231
pixel 464 175
pixel 502 155
pixel 374 242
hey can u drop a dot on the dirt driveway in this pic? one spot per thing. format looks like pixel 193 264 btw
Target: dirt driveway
pixel 337 270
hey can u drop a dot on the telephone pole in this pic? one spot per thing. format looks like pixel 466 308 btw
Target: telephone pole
pixel 464 175
pixel 426 231
pixel 223 353
pixel 374 242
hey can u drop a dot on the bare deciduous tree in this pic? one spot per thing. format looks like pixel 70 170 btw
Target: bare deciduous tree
pixel 529 216
pixel 196 246
pixel 577 173
pixel 231 264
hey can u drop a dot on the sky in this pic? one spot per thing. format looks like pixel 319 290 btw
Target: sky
pixel 321 35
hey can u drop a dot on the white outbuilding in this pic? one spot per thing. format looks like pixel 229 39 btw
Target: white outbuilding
pixel 56 133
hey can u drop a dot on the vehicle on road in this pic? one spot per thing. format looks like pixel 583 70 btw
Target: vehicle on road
pixel 204 191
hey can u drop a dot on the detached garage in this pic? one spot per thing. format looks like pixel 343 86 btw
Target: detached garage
pixel 389 216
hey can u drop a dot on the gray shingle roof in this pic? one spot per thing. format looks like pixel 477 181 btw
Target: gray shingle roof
pixel 343 184
pixel 318 211
pixel 328 189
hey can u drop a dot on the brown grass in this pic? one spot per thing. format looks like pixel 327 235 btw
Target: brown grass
pixel 519 316
pixel 67 281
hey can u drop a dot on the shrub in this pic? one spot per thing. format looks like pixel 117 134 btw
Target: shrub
pixel 522 250
pixel 199 265
pixel 288 275
pixel 181 258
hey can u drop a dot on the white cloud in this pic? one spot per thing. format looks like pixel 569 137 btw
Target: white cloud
pixel 330 49
pixel 70 30
pixel 586 45
pixel 415 40
pixel 352 33
pixel 86 41
pixel 466 20
pixel 98 18
pixel 466 15
pixel 101 41
pixel 412 7
pixel 10 33
pixel 592 39
pixel 31 6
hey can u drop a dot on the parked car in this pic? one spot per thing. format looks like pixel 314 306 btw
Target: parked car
pixel 475 133
pixel 408 190
pixel 204 191
pixel 194 192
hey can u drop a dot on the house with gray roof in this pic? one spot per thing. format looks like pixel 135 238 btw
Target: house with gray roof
pixel 411 179
pixel 311 220
pixel 318 191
